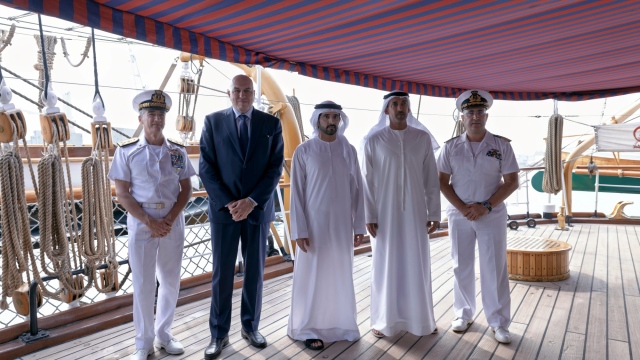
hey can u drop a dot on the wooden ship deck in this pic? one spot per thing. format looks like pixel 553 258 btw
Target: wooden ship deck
pixel 594 314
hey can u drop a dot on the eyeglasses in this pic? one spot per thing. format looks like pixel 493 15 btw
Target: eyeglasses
pixel 478 113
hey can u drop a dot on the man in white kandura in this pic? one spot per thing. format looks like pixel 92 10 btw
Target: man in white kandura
pixel 402 202
pixel 478 171
pixel 327 221
pixel 152 176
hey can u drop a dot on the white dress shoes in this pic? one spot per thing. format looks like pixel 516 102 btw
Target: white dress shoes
pixel 172 346
pixel 460 324
pixel 502 334
pixel 141 354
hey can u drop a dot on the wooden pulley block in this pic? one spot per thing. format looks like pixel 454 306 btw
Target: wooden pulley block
pixel 78 284
pixel 187 86
pixel 6 130
pixel 21 299
pixel 184 123
pixel 105 277
pixel 59 120
pixel 18 119
pixel 104 129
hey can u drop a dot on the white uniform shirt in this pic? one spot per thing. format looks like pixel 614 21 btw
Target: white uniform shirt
pixel 475 177
pixel 154 179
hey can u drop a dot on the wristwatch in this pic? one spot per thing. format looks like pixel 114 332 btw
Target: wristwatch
pixel 487 205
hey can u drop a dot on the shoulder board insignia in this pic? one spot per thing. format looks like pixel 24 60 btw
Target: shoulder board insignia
pixel 452 139
pixel 128 142
pixel 175 142
pixel 502 137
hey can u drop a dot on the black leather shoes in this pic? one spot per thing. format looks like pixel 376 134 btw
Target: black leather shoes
pixel 215 348
pixel 255 338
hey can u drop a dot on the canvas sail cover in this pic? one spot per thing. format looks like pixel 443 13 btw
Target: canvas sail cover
pixel 618 137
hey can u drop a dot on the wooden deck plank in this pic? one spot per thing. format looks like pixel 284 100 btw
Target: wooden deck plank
pixel 633 312
pixel 596 346
pixel 551 346
pixel 528 306
pixel 573 347
pixel 634 246
pixel 616 315
pixel 580 308
pixel 532 338
pixel 629 278
pixel 507 351
pixel 600 268
pixel 618 350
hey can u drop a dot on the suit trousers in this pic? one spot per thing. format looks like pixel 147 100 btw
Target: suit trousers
pixel 224 248
pixel 490 232
pixel 150 258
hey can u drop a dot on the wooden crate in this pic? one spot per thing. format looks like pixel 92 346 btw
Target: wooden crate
pixel 537 259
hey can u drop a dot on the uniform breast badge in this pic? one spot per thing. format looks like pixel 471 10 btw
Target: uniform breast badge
pixel 177 160
pixel 495 153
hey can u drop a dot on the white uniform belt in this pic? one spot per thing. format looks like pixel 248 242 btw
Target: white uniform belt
pixel 152 205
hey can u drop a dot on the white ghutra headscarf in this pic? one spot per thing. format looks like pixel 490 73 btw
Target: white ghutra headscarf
pixel 383 119
pixel 349 153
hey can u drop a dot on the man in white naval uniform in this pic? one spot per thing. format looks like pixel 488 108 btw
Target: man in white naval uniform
pixel 327 221
pixel 402 203
pixel 478 171
pixel 153 184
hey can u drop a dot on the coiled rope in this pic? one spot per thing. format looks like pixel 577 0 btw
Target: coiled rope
pixel 16 234
pixel 552 180
pixel 49 45
pixel 6 37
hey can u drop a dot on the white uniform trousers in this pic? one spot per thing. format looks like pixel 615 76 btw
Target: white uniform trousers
pixel 150 258
pixel 491 234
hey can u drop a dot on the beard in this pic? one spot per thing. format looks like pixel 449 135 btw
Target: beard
pixel 329 130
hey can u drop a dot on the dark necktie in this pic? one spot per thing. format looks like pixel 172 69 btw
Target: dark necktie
pixel 243 134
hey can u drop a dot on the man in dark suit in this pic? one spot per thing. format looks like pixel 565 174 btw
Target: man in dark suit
pixel 241 157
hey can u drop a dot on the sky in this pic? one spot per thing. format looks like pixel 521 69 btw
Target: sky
pixel 524 122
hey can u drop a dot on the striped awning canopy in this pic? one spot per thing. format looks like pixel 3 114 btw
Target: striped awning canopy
pixel 518 50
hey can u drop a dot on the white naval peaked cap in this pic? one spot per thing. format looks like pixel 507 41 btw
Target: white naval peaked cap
pixel 152 100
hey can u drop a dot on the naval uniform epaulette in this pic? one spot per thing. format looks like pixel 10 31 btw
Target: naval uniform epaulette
pixel 455 137
pixel 502 137
pixel 176 142
pixel 128 142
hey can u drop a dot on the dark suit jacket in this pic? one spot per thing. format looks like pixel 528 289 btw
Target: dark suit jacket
pixel 228 176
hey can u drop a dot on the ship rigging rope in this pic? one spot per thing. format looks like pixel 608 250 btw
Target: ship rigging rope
pixel 16 234
pixel 552 180
pixel 85 53
pixel 54 208
pixel 61 100
pixel 97 216
pixel 45 64
pixel 5 40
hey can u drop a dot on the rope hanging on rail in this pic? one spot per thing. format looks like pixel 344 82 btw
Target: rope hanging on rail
pixel 46 46
pixel 552 180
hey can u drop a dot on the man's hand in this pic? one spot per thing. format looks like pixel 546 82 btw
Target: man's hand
pixel 357 240
pixel 159 228
pixel 432 226
pixel 475 211
pixel 241 209
pixel 372 228
pixel 303 243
